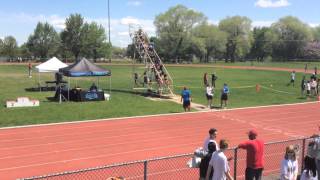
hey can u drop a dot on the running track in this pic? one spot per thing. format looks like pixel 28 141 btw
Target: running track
pixel 46 149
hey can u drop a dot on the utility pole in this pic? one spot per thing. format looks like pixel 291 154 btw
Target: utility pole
pixel 109 28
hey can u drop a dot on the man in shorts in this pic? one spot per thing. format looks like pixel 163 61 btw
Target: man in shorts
pixel 186 99
pixel 293 77
pixel 224 95
pixel 209 95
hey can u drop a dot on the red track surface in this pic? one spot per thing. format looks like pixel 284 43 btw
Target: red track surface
pixel 47 149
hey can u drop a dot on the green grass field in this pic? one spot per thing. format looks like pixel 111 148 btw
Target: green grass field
pixel 125 102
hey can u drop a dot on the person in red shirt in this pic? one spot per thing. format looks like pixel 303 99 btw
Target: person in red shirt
pixel 255 157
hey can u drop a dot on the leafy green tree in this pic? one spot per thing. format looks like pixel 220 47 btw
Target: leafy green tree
pixel 106 50
pixel 93 38
pixel 312 50
pixel 118 52
pixel 72 35
pixel 292 36
pixel 10 47
pixel 263 39
pixel 1 46
pixel 44 42
pixel 173 28
pixel 23 51
pixel 239 36
pixel 316 33
pixel 214 39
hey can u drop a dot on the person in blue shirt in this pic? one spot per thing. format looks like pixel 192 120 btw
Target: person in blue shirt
pixel 224 95
pixel 186 99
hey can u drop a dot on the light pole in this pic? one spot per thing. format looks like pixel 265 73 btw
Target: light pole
pixel 109 27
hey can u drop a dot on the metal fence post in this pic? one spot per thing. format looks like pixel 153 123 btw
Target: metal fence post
pixel 303 150
pixel 235 161
pixel 145 171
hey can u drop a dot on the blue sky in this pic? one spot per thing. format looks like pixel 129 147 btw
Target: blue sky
pixel 19 17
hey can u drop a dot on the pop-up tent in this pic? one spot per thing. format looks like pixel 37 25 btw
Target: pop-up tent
pixel 85 68
pixel 50 66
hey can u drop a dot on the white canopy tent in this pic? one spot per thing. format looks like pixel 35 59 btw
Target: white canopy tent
pixel 50 66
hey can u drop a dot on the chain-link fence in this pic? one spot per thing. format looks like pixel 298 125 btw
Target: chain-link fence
pixel 175 167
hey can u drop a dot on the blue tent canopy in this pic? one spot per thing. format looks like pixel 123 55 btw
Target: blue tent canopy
pixel 84 67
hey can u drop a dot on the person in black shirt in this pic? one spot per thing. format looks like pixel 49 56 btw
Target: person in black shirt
pixel 93 87
pixel 205 161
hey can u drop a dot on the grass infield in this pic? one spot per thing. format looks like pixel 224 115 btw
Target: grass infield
pixel 126 102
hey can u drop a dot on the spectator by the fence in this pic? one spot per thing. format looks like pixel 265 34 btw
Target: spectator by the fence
pixel 212 138
pixel 317 152
pixel 309 170
pixel 206 159
pixel 219 164
pixel 255 156
pixel 289 165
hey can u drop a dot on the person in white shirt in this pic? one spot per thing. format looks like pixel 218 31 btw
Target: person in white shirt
pixel 212 138
pixel 293 77
pixel 219 164
pixel 209 95
pixel 289 165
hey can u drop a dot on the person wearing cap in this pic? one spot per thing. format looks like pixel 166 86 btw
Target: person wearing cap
pixel 186 99
pixel 219 164
pixel 212 138
pixel 289 165
pixel 255 159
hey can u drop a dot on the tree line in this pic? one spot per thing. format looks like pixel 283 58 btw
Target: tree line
pixel 183 34
pixel 78 39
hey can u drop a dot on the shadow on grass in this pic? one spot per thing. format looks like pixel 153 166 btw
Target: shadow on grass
pixel 40 89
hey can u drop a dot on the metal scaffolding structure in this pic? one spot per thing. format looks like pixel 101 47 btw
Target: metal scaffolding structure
pixel 154 77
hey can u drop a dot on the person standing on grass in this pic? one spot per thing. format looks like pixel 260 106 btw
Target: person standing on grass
pixel 303 85
pixel 315 70
pixel 293 77
pixel 305 68
pixel 186 99
pixel 255 157
pixel 219 164
pixel 214 77
pixel 205 79
pixel 224 95
pixel 212 138
pixel 289 165
pixel 30 70
pixel 209 95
